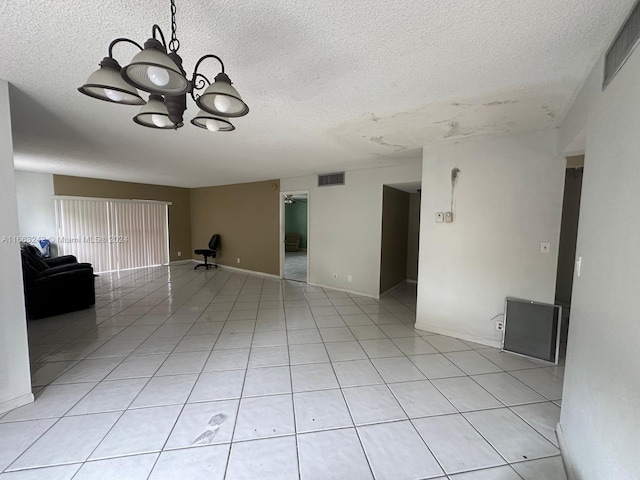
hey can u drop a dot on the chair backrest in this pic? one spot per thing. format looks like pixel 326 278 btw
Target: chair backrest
pixel 214 243
pixel 292 238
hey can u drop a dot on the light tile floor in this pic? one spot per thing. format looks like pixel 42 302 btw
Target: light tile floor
pixel 295 265
pixel 213 374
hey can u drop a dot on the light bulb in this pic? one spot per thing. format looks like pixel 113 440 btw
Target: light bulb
pixel 222 103
pixel 212 125
pixel 114 95
pixel 160 121
pixel 158 76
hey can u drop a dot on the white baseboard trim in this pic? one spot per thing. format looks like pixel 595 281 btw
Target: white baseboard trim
pixel 181 262
pixel 242 270
pixel 395 287
pixel 343 290
pixel 408 280
pixel 16 402
pixel 568 467
pixel 250 272
pixel 456 334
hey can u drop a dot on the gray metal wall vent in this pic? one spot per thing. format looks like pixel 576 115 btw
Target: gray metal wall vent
pixel 623 45
pixel 327 179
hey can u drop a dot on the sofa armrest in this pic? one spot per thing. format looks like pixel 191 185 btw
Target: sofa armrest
pixel 62 277
pixel 63 260
pixel 71 267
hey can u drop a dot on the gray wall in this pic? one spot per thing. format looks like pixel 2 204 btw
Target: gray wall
pixel 295 215
pixel 600 420
pixel 15 379
pixel 395 226
pixel 36 208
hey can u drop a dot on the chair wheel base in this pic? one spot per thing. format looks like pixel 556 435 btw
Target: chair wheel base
pixel 205 265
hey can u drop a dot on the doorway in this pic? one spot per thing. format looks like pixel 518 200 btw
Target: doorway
pixel 400 235
pixel 568 239
pixel 294 219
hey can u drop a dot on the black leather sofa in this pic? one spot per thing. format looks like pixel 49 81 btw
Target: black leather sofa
pixel 55 286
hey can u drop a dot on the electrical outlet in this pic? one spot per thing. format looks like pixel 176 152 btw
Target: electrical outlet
pixel 335 276
pixel 179 254
pixel 238 260
pixel 448 217
pixel 499 326
pixel 439 217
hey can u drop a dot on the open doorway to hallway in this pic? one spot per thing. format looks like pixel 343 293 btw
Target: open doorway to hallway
pixel 400 235
pixel 295 235
pixel 567 244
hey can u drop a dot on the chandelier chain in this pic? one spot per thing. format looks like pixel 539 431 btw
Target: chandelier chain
pixel 174 44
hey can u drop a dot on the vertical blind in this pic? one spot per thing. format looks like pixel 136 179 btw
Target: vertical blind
pixel 113 234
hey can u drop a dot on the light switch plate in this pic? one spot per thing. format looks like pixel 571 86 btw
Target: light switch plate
pixel 448 217
pixel 545 247
pixel 439 217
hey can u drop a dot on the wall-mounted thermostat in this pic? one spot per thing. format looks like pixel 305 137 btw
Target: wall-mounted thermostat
pixel 448 217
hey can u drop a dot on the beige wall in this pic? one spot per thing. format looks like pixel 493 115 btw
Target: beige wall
pixel 179 210
pixel 247 217
pixel 395 225
pixel 413 236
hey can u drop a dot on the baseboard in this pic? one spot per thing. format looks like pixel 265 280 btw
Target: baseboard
pixel 386 292
pixel 568 467
pixel 460 335
pixel 181 262
pixel 240 270
pixel 16 402
pixel 250 272
pixel 330 287
pixel 408 280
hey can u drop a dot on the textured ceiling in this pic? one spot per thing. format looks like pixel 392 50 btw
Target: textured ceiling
pixel 331 84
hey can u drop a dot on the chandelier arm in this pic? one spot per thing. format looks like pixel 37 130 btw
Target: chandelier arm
pixel 155 29
pixel 199 82
pixel 195 70
pixel 119 40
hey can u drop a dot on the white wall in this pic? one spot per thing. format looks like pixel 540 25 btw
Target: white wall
pixel 508 199
pixel 15 380
pixel 345 226
pixel 600 419
pixel 36 209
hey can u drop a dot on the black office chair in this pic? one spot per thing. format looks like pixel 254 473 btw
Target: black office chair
pixel 214 245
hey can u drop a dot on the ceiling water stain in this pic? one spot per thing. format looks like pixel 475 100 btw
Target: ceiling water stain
pixel 380 141
pixel 498 103
pixel 455 130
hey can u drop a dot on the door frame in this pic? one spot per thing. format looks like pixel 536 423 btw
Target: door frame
pixel 283 225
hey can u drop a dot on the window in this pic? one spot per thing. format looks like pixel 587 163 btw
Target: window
pixel 113 234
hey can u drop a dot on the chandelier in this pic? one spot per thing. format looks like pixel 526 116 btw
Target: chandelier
pixel 160 74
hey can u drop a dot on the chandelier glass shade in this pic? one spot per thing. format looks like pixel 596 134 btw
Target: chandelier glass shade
pixel 212 123
pixel 154 114
pixel 220 98
pixel 107 84
pixel 157 69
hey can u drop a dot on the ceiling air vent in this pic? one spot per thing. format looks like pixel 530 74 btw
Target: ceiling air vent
pixel 331 179
pixel 624 43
